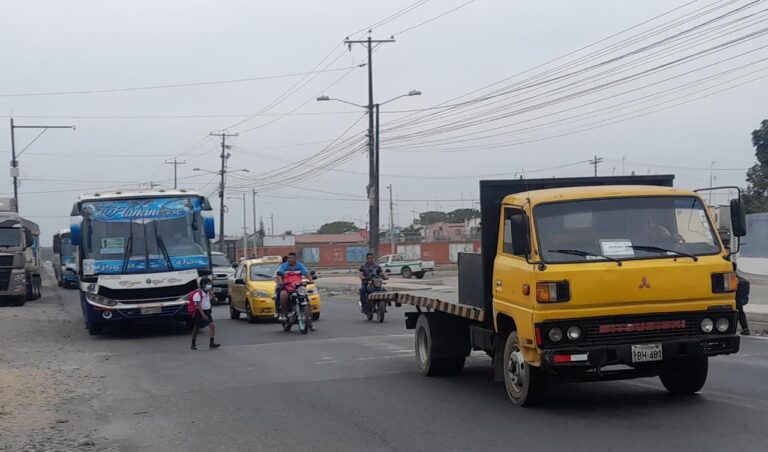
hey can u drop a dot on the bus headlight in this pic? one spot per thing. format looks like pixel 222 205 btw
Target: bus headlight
pixel 98 299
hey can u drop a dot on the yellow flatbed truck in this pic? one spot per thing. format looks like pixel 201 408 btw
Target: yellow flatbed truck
pixel 586 279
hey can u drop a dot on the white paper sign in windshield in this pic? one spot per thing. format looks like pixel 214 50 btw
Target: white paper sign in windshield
pixel 617 248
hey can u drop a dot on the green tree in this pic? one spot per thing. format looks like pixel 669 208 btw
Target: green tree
pixel 432 217
pixel 756 194
pixel 338 227
pixel 462 215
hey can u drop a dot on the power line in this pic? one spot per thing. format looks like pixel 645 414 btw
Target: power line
pixel 167 86
pixel 433 18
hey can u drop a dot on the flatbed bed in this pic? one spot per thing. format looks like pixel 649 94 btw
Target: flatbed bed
pixel 432 304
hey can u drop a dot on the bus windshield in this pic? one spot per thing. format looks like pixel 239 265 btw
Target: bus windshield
pixel 143 236
pixel 624 228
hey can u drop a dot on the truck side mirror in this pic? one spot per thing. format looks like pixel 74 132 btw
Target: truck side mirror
pixel 28 239
pixel 210 228
pixel 738 218
pixel 75 234
pixel 521 238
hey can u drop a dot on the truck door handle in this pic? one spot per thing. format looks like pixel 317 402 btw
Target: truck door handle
pixel 498 284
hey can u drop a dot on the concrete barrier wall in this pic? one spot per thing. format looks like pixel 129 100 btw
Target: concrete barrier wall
pixel 332 256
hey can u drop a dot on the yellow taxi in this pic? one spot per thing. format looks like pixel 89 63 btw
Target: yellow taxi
pixel 252 290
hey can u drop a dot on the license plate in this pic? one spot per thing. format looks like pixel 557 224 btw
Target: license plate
pixel 646 352
pixel 151 310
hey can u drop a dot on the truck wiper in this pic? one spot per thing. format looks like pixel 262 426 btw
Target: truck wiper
pixel 585 254
pixel 656 249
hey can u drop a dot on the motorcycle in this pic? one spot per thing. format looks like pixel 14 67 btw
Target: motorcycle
pixel 379 307
pixel 299 310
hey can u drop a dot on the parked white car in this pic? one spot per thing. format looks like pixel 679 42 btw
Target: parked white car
pixel 399 264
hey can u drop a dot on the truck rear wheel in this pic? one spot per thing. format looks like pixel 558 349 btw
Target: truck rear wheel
pixel 685 376
pixel 428 337
pixel 419 275
pixel 525 384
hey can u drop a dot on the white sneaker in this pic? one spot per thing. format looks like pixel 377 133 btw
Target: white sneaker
pixel 281 318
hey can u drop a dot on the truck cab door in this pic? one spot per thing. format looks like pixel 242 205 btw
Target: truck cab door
pixel 513 286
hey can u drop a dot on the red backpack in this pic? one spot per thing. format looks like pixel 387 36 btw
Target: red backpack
pixel 191 305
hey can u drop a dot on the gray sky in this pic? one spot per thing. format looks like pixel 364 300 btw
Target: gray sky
pixel 54 46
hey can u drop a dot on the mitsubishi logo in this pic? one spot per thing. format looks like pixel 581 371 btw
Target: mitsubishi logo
pixel 644 284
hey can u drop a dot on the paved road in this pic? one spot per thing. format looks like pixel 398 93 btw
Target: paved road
pixel 354 386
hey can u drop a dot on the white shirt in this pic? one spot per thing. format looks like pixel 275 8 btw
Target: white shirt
pixel 202 300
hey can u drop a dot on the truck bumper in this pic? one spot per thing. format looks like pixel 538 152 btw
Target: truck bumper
pixel 16 285
pixel 582 358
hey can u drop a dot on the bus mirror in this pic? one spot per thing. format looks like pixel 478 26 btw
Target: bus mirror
pixel 738 218
pixel 75 234
pixel 210 228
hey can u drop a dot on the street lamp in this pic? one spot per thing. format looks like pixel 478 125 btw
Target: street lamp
pixel 373 163
pixel 15 163
pixel 245 227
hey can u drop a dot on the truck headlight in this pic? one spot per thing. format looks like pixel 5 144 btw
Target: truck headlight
pixel 722 324
pixel 555 334
pixel 574 333
pixel 707 325
pixel 260 294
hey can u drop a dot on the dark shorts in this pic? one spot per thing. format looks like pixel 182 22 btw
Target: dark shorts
pixel 202 323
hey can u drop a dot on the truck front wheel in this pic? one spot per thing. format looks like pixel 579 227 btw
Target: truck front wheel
pixel 427 334
pixel 525 384
pixel 685 376
pixel 406 273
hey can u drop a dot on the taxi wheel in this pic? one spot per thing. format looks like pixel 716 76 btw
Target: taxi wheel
pixel 248 314
pixel 234 314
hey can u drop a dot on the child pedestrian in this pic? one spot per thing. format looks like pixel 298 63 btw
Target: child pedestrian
pixel 203 316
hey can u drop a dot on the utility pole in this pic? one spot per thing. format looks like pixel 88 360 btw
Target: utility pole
pixel 255 234
pixel 175 164
pixel 245 230
pixel 711 179
pixel 623 160
pixel 224 156
pixel 391 221
pixel 15 163
pixel 596 161
pixel 272 224
pixel 373 174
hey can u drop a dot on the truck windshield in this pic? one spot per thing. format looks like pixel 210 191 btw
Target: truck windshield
pixel 10 237
pixel 142 236
pixel 624 228
pixel 217 260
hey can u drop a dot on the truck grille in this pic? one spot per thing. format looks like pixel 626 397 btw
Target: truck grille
pixel 634 328
pixel 149 295
pixel 6 261
pixel 5 279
